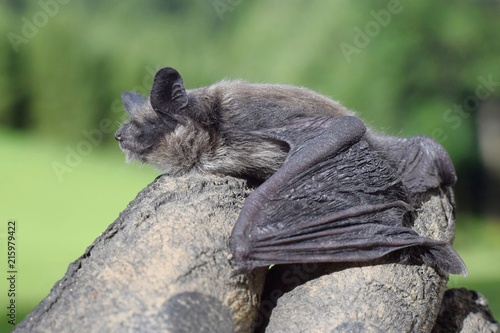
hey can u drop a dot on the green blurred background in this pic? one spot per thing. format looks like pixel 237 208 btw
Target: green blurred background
pixel 409 67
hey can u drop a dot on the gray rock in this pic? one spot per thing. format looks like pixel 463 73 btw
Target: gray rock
pixel 165 266
pixel 162 266
pixel 379 298
pixel 464 311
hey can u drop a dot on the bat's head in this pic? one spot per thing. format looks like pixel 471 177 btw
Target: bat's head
pixel 161 130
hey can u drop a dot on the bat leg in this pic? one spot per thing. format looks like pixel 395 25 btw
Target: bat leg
pixel 330 137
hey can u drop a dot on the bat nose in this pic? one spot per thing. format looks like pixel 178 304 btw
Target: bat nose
pixel 118 136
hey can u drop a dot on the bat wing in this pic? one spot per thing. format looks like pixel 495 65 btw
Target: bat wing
pixel 421 163
pixel 334 200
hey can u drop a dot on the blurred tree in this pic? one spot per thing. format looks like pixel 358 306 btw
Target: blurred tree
pixel 410 67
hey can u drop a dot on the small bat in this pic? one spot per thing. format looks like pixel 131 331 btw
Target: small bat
pixel 332 191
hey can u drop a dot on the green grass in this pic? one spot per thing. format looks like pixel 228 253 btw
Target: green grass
pixel 57 220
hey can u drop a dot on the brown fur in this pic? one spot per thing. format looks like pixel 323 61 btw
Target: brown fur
pixel 221 129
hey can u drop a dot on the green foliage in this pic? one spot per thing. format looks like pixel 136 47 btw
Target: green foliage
pixel 406 66
pixel 477 243
pixel 424 59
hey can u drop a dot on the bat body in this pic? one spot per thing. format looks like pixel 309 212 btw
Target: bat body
pixel 332 190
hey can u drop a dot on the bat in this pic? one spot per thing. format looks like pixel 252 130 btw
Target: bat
pixel 331 190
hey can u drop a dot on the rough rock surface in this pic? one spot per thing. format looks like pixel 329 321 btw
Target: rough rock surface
pixel 465 311
pixel 380 298
pixel 162 266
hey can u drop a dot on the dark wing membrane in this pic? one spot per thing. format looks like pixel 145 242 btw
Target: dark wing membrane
pixel 422 163
pixel 334 200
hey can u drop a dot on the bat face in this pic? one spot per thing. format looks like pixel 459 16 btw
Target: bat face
pixel 143 133
pixel 159 132
pixel 332 191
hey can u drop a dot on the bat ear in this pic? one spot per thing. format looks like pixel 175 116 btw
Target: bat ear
pixel 133 102
pixel 168 94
